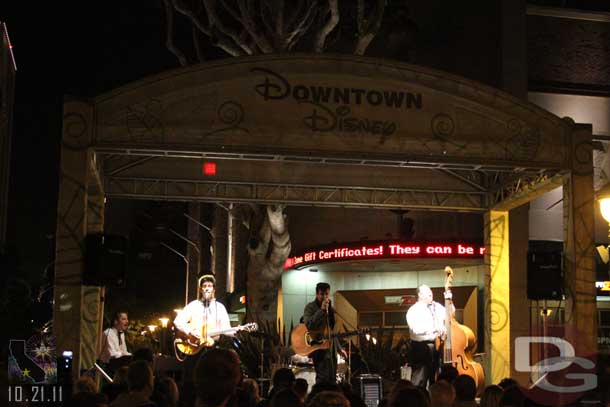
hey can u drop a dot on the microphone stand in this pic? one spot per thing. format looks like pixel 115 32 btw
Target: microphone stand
pixel 332 349
pixel 349 361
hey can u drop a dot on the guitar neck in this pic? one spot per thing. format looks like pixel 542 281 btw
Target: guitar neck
pixel 226 331
pixel 348 333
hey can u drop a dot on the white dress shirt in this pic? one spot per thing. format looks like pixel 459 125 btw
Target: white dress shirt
pixel 195 315
pixel 113 345
pixel 425 321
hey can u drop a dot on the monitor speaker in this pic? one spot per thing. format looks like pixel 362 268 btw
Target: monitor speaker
pixel 369 387
pixel 544 275
pixel 105 260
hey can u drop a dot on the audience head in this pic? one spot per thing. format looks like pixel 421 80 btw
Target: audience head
pixel 300 387
pixel 84 384
pixel 216 377
pixel 512 396
pixel 166 392
pixel 140 377
pixel 410 396
pixel 329 399
pixel 442 394
pixel 282 378
pixel 508 382
pixel 145 354
pixel 448 373
pixel 398 386
pixel 120 376
pixel 319 388
pixel 491 396
pixel 286 398
pixel 251 386
pixel 465 388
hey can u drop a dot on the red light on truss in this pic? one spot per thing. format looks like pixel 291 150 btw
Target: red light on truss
pixel 209 169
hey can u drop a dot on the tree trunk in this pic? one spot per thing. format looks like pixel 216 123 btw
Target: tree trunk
pixel 268 249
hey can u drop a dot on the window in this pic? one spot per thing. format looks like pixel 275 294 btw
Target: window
pixel 370 319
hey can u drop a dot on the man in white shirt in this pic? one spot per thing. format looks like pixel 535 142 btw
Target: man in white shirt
pixel 426 320
pixel 200 317
pixel 114 348
pixel 203 314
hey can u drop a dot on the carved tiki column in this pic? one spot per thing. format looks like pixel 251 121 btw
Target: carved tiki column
pixel 497 301
pixel 578 207
pixel 77 310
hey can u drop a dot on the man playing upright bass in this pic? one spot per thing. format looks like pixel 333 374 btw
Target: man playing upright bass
pixel 426 320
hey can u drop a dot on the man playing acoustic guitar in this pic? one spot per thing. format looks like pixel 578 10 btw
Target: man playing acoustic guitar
pixel 193 323
pixel 203 315
pixel 317 315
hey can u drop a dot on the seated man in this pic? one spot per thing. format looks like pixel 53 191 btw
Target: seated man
pixel 114 348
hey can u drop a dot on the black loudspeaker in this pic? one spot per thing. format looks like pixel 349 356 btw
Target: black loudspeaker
pixel 369 387
pixel 544 275
pixel 105 260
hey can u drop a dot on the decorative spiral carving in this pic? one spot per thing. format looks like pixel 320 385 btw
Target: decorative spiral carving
pixel 75 132
pixel 583 158
pixel 514 126
pixel 499 316
pixel 524 141
pixel 91 301
pixel 231 113
pixel 443 125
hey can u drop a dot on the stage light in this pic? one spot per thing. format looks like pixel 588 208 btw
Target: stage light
pixel 603 197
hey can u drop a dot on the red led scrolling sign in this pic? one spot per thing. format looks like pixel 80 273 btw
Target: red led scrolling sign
pixel 385 251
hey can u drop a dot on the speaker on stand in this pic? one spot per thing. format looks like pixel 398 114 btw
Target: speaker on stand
pixel 545 275
pixel 106 260
pixel 544 282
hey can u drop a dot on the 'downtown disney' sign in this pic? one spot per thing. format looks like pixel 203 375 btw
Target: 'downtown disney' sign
pixel 324 118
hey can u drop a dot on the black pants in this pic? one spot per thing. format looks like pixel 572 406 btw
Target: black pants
pixel 325 363
pixel 424 361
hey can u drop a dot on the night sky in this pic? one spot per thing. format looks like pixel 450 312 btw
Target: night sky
pixel 82 50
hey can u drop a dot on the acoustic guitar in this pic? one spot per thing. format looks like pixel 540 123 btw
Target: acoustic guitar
pixel 191 346
pixel 305 341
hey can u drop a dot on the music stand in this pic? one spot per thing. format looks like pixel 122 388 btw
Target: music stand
pixel 103 373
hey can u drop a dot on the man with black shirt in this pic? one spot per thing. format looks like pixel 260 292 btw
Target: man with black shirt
pixel 317 315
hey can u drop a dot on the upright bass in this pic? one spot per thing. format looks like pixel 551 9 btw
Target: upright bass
pixel 460 342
